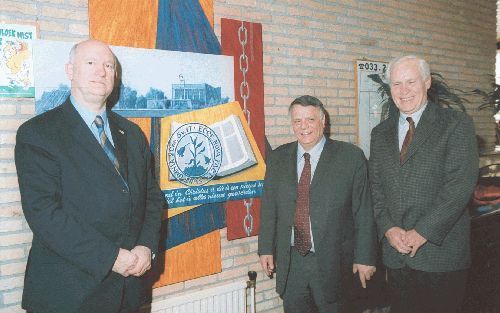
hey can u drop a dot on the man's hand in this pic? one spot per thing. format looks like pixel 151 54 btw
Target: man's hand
pixel 125 261
pixel 414 240
pixel 396 237
pixel 143 260
pixel 267 262
pixel 365 272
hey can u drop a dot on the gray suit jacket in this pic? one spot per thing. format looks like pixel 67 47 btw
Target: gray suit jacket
pixel 81 212
pixel 340 209
pixel 429 191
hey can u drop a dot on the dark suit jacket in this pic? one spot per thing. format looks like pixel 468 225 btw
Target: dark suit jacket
pixel 340 210
pixel 81 212
pixel 429 191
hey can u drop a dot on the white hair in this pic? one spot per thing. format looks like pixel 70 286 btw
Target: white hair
pixel 425 71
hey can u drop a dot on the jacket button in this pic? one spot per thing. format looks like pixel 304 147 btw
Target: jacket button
pixel 124 190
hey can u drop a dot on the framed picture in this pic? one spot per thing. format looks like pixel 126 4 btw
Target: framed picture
pixel 368 100
pixel 16 59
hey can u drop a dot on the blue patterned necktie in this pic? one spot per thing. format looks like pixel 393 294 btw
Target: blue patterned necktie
pixel 302 230
pixel 105 143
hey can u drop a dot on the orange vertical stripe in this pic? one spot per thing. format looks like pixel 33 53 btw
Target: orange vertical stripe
pixel 129 23
pixel 144 124
pixel 208 9
pixel 193 259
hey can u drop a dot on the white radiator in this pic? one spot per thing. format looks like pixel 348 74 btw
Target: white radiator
pixel 230 298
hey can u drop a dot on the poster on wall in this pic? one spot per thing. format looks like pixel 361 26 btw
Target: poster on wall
pixel 16 62
pixel 152 83
pixel 368 100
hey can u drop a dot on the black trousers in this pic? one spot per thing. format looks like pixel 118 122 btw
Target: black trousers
pixel 413 291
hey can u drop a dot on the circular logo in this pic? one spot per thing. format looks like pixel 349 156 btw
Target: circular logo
pixel 194 154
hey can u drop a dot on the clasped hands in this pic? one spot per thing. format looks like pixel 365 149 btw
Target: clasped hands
pixel 133 262
pixel 405 242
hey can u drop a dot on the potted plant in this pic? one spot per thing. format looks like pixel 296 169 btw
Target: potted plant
pixel 491 100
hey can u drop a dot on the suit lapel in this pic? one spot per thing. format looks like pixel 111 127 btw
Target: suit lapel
pixel 84 138
pixel 423 130
pixel 290 181
pixel 325 160
pixel 120 140
pixel 321 183
pixel 392 140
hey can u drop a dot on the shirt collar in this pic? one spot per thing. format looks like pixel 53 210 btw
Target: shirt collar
pixel 415 116
pixel 88 115
pixel 315 152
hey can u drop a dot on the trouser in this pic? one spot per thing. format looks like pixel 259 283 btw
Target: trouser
pixel 303 292
pixel 413 291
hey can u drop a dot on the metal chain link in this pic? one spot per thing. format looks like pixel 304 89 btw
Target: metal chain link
pixel 244 66
pixel 245 94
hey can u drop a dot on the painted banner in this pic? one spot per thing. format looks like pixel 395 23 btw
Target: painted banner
pixel 190 260
pixel 179 27
pixel 209 155
pixel 243 41
pixel 16 61
pixel 183 26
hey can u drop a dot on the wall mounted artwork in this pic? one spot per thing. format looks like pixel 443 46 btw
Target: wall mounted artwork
pixel 243 41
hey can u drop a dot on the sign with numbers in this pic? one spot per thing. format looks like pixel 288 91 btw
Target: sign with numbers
pixel 368 100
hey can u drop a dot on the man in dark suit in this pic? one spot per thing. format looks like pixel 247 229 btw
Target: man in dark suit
pixel 89 196
pixel 423 168
pixel 316 251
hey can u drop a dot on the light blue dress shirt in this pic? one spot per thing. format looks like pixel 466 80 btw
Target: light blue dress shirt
pixel 89 117
pixel 404 125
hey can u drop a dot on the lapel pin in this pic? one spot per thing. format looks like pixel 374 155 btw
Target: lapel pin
pixel 121 132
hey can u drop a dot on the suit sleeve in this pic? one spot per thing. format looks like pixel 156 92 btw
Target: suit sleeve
pixel 382 218
pixel 268 211
pixel 364 224
pixel 40 184
pixel 461 170
pixel 155 203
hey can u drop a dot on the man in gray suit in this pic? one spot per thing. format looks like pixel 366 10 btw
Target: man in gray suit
pixel 423 168
pixel 318 230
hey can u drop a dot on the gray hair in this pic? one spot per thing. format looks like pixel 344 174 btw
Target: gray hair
pixel 425 71
pixel 72 53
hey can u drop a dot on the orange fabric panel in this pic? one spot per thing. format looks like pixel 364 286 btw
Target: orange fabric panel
pixel 208 8
pixel 144 124
pixel 129 23
pixel 190 260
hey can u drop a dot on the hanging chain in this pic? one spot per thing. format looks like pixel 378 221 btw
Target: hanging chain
pixel 244 87
pixel 245 94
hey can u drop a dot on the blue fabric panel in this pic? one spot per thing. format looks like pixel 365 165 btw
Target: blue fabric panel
pixel 191 224
pixel 183 26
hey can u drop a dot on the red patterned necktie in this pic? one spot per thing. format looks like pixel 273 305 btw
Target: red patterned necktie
pixel 408 139
pixel 302 231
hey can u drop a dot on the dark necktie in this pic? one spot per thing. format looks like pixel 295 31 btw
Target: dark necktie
pixel 302 231
pixel 408 139
pixel 105 143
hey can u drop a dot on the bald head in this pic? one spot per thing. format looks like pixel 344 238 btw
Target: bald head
pixel 91 70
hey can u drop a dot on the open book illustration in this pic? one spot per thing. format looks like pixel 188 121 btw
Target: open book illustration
pixel 237 153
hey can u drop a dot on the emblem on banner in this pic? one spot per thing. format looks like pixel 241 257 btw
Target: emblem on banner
pixel 194 154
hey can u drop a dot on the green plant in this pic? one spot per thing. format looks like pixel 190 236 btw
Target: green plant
pixel 491 99
pixel 440 93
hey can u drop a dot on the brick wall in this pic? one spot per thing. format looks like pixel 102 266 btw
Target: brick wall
pixel 309 48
